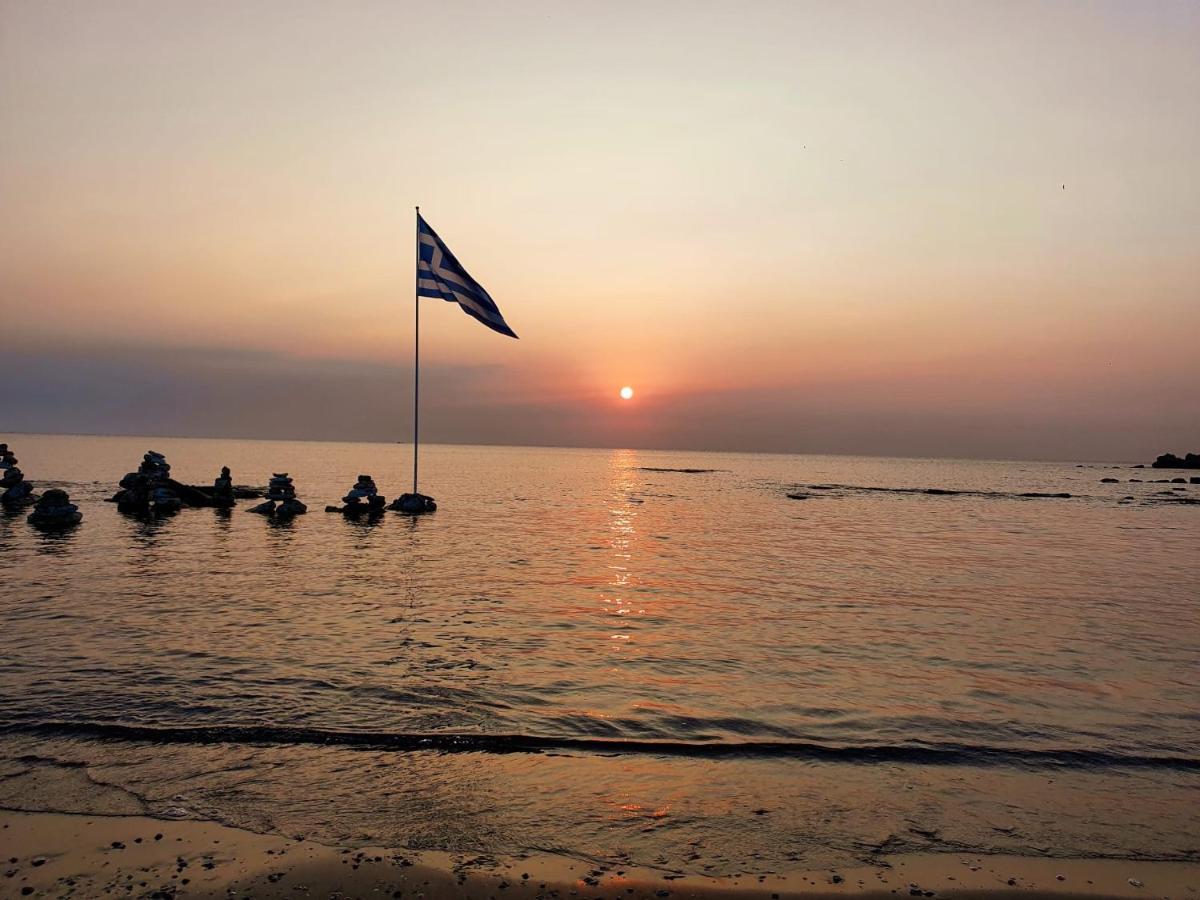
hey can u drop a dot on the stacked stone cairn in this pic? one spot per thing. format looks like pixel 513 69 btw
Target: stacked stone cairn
pixel 281 500
pixel 413 504
pixel 15 491
pixel 55 510
pixel 149 489
pixel 364 490
pixel 222 492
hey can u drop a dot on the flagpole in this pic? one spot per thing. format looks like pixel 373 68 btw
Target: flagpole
pixel 416 351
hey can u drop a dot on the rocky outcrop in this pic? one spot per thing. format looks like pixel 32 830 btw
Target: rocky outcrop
pixel 55 510
pixel 1171 461
pixel 413 504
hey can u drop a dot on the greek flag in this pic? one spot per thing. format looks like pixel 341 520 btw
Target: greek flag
pixel 441 275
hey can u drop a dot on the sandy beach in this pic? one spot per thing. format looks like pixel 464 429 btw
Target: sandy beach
pixel 57 855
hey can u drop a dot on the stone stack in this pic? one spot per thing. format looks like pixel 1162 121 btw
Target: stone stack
pixel 149 489
pixel 55 510
pixel 364 490
pixel 222 492
pixel 281 500
pixel 15 491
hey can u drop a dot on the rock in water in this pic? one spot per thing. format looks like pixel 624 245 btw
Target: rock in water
pixel 1171 461
pixel 290 507
pixel 413 504
pixel 281 499
pixel 15 491
pixel 280 487
pixel 55 510
pixel 222 492
pixel 363 489
pixel 150 489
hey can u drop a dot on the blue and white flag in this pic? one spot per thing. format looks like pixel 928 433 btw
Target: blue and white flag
pixel 441 275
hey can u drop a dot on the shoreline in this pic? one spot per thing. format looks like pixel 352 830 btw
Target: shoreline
pixel 74 855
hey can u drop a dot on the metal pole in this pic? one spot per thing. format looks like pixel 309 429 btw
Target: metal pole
pixel 416 354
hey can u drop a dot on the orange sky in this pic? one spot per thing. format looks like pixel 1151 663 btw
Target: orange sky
pixel 780 222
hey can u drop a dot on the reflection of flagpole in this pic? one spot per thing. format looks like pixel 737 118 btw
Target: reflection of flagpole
pixel 416 351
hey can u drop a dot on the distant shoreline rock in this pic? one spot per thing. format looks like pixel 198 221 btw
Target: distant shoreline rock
pixel 1171 461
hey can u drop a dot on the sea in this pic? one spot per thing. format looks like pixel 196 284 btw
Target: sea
pixel 706 663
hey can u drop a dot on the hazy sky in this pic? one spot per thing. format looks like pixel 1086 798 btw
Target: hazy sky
pixel 827 227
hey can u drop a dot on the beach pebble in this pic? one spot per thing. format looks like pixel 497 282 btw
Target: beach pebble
pixel 117 845
pixel 1061 877
pixel 39 860
pixel 1133 882
pixel 836 878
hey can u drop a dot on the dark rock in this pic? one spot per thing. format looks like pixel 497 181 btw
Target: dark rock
pixel 798 496
pixel 289 508
pixel 19 493
pixel 1194 479
pixel 1108 480
pixel 1178 481
pixel 1171 461
pixel 363 490
pixel 15 491
pixel 223 495
pixel 152 490
pixel 413 504
pixel 55 510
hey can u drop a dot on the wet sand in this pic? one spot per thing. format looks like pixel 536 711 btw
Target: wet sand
pixel 62 855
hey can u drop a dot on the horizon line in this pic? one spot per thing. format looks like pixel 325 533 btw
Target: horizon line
pixel 183 437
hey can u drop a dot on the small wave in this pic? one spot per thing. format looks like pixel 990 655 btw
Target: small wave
pixel 914 754
pixel 939 492
pixel 683 471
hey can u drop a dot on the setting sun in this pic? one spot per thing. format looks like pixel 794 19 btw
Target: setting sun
pixel 627 393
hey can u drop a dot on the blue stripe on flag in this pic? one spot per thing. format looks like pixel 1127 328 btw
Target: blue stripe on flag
pixel 445 278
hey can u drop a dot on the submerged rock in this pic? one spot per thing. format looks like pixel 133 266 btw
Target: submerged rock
pixel 55 509
pixel 413 504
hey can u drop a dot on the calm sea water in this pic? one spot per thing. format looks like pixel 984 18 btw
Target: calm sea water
pixel 781 681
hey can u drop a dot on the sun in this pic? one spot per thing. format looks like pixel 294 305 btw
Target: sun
pixel 627 393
